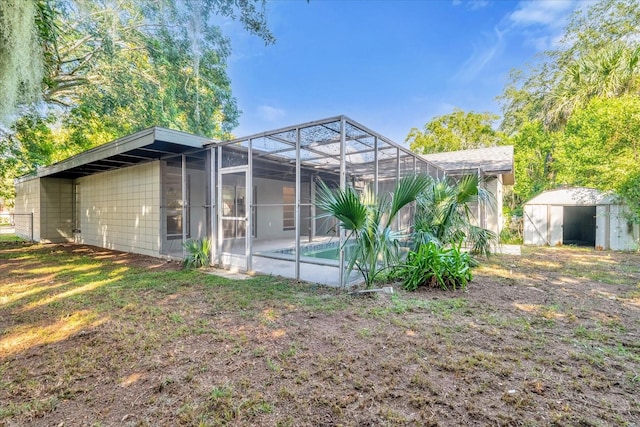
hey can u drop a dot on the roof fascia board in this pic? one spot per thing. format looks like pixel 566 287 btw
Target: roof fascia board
pixel 179 137
pixel 121 146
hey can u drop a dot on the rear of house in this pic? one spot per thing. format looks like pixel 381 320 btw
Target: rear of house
pixel 494 166
pixel 254 197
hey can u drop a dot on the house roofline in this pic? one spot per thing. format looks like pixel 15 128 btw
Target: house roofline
pixel 141 140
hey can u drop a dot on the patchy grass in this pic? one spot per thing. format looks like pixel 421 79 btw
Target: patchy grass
pixel 95 337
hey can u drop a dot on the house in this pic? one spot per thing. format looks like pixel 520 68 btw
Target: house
pixel 494 165
pixel 254 197
pixel 579 216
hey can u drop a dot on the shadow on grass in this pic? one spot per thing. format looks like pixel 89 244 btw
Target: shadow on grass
pixel 47 294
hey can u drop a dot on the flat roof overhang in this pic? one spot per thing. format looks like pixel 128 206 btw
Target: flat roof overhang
pixel 143 146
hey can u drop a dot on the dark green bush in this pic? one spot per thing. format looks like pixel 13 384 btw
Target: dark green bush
pixel 433 266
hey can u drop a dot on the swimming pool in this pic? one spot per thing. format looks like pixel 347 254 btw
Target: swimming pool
pixel 329 251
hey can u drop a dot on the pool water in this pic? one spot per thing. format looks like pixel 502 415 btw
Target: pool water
pixel 332 253
pixel 328 251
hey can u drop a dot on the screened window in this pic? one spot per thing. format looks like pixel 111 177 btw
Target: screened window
pixel 288 208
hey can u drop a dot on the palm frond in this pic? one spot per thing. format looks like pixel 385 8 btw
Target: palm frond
pixel 482 240
pixel 345 206
pixel 406 192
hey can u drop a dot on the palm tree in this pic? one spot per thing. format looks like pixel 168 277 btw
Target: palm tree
pixel 443 215
pixel 372 242
pixel 610 72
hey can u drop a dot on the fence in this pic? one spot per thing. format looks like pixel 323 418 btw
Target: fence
pixel 18 224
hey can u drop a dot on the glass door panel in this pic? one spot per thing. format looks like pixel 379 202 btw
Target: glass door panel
pixel 234 212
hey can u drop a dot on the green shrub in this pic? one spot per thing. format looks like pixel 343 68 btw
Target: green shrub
pixel 197 253
pixel 511 233
pixel 433 266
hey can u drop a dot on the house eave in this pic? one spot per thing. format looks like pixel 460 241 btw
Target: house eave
pixel 145 145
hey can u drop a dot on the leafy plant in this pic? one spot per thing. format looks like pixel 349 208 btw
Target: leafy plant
pixel 512 231
pixel 629 191
pixel 368 220
pixel 434 266
pixel 443 215
pixel 198 251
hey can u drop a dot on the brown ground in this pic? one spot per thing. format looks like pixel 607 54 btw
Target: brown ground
pixel 549 338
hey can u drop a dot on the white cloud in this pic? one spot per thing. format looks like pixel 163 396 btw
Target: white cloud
pixel 477 4
pixel 549 13
pixel 483 53
pixel 542 22
pixel 270 114
pixel 539 23
pixel 471 4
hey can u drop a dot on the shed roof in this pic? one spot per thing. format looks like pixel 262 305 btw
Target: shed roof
pixel 573 196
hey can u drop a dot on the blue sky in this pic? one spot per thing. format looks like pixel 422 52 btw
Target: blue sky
pixel 391 65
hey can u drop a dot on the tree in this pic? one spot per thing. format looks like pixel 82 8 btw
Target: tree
pixel 21 62
pixel 456 131
pixel 601 144
pixel 534 159
pixel 443 215
pixel 597 56
pixel 601 149
pixel 572 117
pixel 609 72
pixel 372 245
pixel 112 68
pixel 595 27
pixel 67 39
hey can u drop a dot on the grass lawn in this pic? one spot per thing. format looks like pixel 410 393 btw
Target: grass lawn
pixel 95 337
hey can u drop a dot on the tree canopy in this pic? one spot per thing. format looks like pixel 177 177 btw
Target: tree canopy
pixel 573 117
pixel 98 70
pixel 458 130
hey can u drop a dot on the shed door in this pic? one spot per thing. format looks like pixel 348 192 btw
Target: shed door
pixel 555 224
pixel 535 225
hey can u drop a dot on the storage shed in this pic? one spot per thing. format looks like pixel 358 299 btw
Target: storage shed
pixel 578 216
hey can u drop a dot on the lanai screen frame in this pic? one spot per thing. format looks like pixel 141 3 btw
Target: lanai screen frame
pixel 336 145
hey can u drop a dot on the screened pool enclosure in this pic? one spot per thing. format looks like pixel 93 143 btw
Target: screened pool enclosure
pixel 263 191
pixel 254 197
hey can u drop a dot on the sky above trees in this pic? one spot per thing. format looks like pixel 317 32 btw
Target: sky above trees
pixel 390 65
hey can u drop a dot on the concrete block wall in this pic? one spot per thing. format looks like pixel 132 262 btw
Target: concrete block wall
pixel 494 217
pixel 56 210
pixel 28 202
pixel 120 209
pixel 270 218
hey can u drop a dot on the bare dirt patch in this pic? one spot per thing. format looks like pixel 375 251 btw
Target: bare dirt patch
pixel 548 338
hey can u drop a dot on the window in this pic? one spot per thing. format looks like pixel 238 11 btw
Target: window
pixel 173 195
pixel 76 208
pixel 288 210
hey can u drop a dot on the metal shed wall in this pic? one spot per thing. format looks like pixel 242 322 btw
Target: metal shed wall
pixel 544 219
